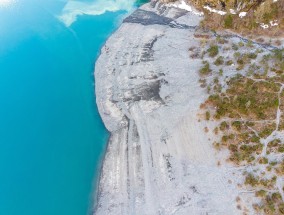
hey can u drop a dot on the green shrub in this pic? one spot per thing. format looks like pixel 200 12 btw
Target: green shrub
pixel 237 125
pixel 233 148
pixel 250 44
pixel 281 148
pixel 251 180
pixel 265 132
pixel 235 47
pixel 276 197
pixel 219 61
pixel 237 54
pixel 224 125
pixel 252 55
pixel 207 115
pixel 213 50
pixel 278 54
pixel 254 139
pixel 281 208
pixel 228 21
pixel 229 62
pixel 260 193
pixel 263 160
pixel 250 124
pixel 205 70
pixel 241 44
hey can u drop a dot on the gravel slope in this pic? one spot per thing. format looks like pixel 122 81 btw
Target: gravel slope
pixel 159 158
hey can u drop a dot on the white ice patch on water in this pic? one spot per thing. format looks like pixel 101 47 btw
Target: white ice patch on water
pixel 73 9
pixel 183 5
pixel 215 11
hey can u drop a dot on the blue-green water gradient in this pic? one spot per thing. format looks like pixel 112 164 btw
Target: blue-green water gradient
pixel 52 139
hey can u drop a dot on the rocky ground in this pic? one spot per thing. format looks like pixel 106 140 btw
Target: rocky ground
pixel 244 81
pixel 160 158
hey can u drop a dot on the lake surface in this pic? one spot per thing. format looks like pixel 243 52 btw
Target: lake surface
pixel 52 139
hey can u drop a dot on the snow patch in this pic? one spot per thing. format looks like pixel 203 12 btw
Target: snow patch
pixel 264 26
pixel 220 12
pixel 183 5
pixel 242 14
pixel 232 11
pixel 272 23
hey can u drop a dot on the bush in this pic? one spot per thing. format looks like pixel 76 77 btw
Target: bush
pixel 219 61
pixel 237 125
pixel 250 44
pixel 213 50
pixel 228 21
pixel 229 62
pixel 233 148
pixel 281 208
pixel 241 44
pixel 205 70
pixel 237 54
pixel 251 180
pixel 279 54
pixel 281 149
pixel 252 55
pixel 263 160
pixel 254 139
pixel 260 193
pixel 224 125
pixel 276 197
pixel 235 47
pixel 207 115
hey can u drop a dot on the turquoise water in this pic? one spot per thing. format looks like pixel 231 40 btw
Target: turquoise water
pixel 52 139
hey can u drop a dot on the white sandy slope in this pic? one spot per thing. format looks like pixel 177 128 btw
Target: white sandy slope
pixel 159 160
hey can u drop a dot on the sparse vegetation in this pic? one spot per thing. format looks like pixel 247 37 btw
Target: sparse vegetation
pixel 228 21
pixel 219 61
pixel 213 51
pixel 207 115
pixel 205 70
pixel 246 111
pixel 265 12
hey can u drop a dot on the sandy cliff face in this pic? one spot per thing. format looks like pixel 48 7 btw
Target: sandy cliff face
pixel 159 159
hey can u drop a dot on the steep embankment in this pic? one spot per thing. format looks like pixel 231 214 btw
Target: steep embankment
pixel 160 158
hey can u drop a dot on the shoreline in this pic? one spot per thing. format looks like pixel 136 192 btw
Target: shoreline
pixel 95 191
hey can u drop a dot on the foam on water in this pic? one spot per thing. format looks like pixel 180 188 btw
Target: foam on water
pixel 75 8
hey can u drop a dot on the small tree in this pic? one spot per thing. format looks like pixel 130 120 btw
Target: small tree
pixel 213 50
pixel 228 22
